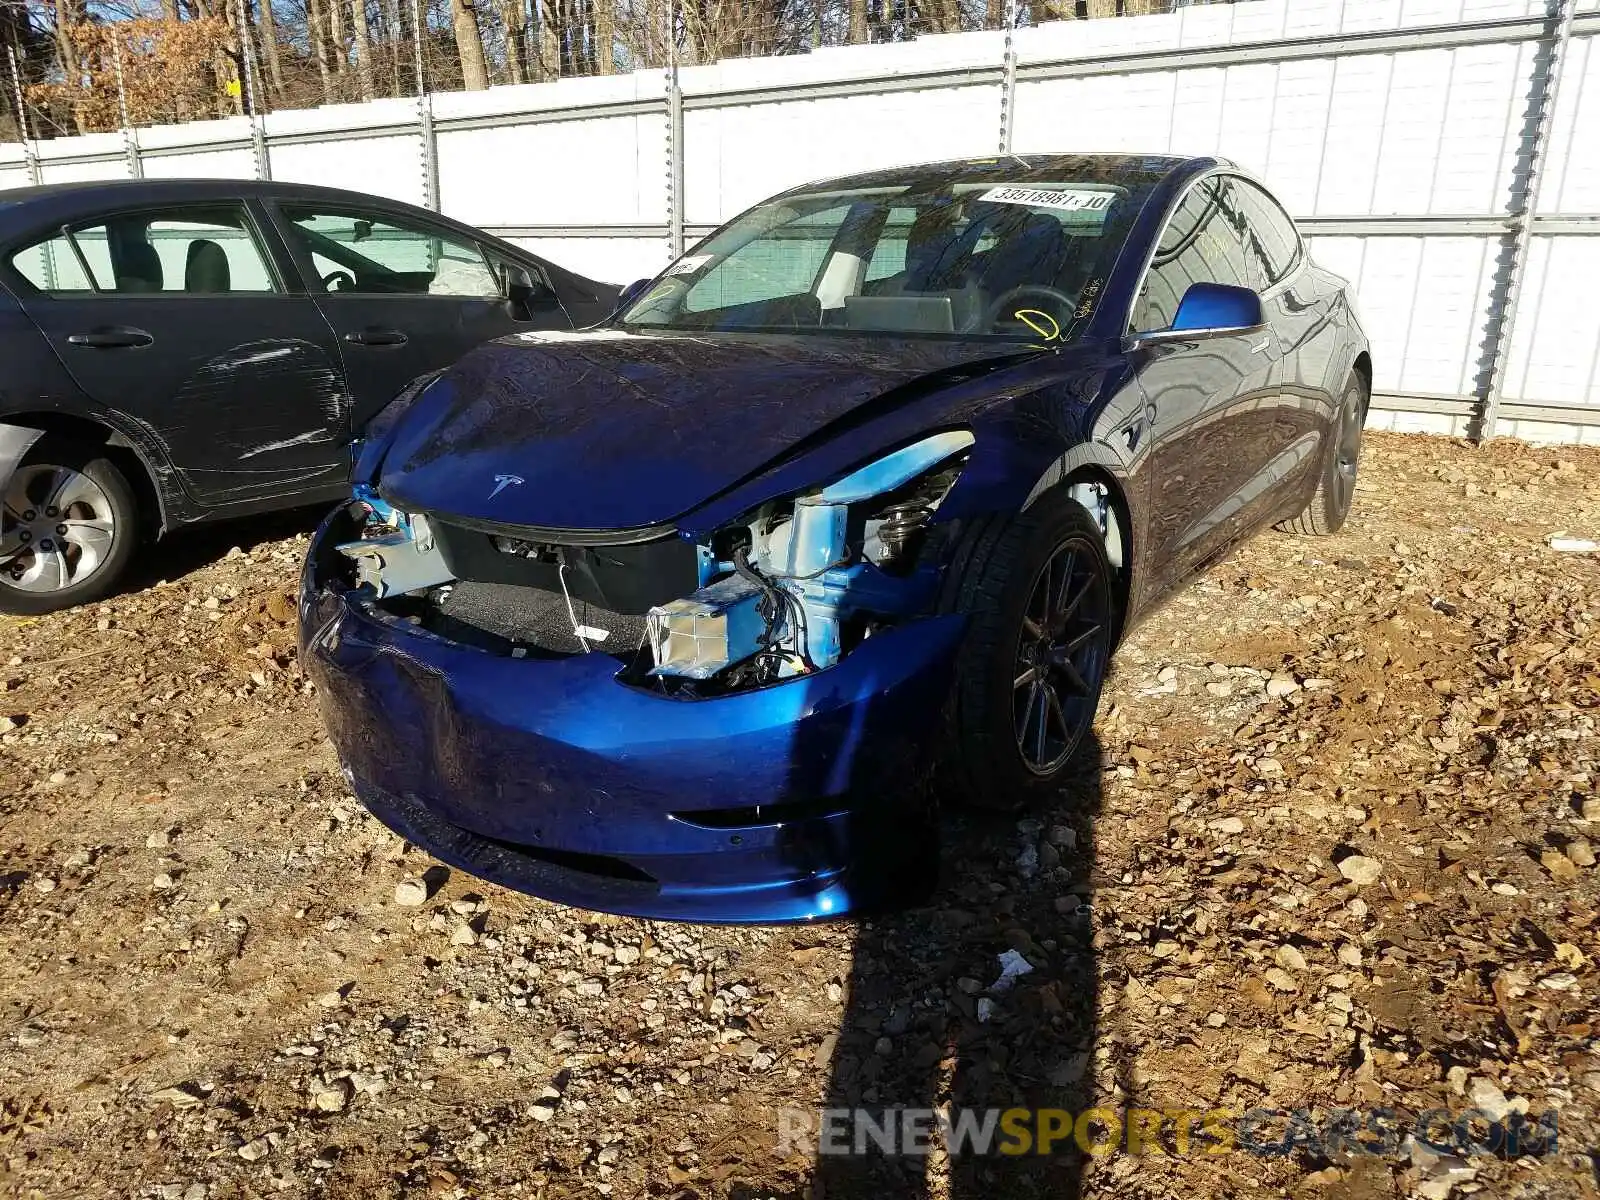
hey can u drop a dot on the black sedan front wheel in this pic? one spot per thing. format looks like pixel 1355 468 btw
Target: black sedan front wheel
pixel 1041 604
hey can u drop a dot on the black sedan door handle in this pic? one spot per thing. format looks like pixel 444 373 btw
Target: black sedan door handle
pixel 376 337
pixel 111 337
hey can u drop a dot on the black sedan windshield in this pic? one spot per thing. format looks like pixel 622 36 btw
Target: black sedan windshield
pixel 1014 261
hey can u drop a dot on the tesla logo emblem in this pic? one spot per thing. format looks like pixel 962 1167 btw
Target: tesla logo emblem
pixel 502 482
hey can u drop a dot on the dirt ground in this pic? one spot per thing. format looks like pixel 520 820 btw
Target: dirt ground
pixel 1337 853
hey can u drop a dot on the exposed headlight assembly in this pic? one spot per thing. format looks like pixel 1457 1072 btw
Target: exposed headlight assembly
pixel 396 553
pixel 799 572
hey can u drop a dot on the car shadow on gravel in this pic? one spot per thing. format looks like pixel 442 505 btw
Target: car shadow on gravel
pixel 190 548
pixel 930 1024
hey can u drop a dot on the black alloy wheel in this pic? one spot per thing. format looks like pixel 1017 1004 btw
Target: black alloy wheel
pixel 1041 599
pixel 1062 650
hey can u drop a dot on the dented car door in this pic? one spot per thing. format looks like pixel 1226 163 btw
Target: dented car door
pixel 186 318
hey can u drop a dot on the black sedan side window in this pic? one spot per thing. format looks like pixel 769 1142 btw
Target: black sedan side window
pixel 1201 244
pixel 202 251
pixel 378 254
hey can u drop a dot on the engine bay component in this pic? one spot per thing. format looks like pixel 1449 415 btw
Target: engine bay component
pixel 396 553
pixel 717 626
pixel 812 575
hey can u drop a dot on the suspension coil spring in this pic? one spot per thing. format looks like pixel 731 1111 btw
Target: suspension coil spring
pixel 901 526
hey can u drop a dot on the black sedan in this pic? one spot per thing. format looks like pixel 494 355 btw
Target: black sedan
pixel 185 350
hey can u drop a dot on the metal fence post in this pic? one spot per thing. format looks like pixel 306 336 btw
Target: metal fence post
pixel 674 163
pixel 130 139
pixel 35 176
pixel 250 82
pixel 1560 40
pixel 674 140
pixel 1008 79
pixel 430 142
pixel 430 152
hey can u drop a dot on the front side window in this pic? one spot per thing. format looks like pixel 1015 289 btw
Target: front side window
pixel 948 258
pixel 199 251
pixel 1201 244
pixel 377 254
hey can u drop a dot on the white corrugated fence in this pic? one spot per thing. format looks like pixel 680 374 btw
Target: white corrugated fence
pixel 1400 132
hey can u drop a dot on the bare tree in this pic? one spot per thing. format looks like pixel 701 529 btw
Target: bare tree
pixel 514 16
pixel 546 40
pixel 317 35
pixel 605 36
pixel 65 19
pixel 395 32
pixel 469 45
pixel 338 51
pixel 267 25
pixel 361 34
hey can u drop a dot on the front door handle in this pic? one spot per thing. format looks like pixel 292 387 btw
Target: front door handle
pixel 1136 428
pixel 111 337
pixel 376 337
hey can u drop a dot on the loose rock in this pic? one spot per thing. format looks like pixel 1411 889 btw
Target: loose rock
pixel 1359 869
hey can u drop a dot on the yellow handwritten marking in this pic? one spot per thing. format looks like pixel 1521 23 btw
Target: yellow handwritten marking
pixel 1026 315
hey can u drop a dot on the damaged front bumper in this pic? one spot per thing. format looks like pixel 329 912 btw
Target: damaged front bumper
pixel 554 776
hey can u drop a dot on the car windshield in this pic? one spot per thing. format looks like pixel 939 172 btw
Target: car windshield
pixel 1013 261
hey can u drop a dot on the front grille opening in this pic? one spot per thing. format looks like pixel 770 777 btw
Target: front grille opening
pixel 504 619
pixel 598 866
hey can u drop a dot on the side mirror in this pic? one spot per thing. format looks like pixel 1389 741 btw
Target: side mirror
pixel 522 288
pixel 631 293
pixel 1207 310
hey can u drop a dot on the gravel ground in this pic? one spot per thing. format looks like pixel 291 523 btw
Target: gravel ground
pixel 1336 853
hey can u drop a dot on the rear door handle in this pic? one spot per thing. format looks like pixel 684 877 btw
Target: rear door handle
pixel 376 337
pixel 111 337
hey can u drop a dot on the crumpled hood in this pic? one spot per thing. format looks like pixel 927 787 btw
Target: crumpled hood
pixel 612 430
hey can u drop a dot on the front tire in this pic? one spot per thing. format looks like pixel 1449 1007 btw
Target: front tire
pixel 1336 485
pixel 1040 599
pixel 70 527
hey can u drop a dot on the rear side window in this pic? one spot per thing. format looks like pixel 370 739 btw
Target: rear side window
pixel 1271 238
pixel 199 251
pixel 1202 243
pixel 54 266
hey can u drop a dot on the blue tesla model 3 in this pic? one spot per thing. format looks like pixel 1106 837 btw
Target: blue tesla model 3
pixel 699 613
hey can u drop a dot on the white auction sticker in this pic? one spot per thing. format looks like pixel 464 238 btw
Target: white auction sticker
pixel 1067 199
pixel 689 264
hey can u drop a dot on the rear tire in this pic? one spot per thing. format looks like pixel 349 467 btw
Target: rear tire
pixel 1336 485
pixel 70 526
pixel 1040 597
